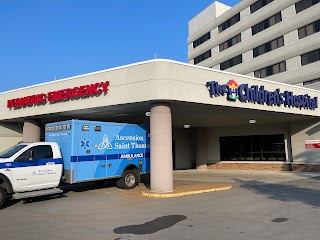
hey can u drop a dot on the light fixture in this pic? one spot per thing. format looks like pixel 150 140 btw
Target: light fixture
pixel 147 114
pixel 186 126
pixel 252 121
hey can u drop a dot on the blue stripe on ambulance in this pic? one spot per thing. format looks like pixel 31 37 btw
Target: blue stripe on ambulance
pixel 30 163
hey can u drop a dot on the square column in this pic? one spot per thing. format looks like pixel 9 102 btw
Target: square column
pixel 161 165
pixel 201 149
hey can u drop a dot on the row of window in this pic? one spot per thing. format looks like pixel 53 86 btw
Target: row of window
pixel 230 42
pixel 259 4
pixel 310 57
pixel 300 6
pixel 201 40
pixel 231 62
pixel 306 58
pixel 229 23
pixel 266 23
pixel 267 47
pixel 309 82
pixel 304 4
pixel 202 57
pixel 271 70
pixel 309 29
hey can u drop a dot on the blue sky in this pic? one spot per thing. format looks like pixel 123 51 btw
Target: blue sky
pixel 45 40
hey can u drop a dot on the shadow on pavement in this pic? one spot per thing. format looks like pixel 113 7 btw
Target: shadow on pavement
pixel 285 192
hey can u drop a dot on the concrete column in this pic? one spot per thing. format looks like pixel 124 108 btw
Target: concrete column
pixel 31 131
pixel 161 176
pixel 201 148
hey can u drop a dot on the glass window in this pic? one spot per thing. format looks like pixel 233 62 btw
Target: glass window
pixel 267 47
pixel 266 23
pixel 11 151
pixel 253 148
pixel 230 63
pixel 201 40
pixel 309 82
pixel 202 57
pixel 310 57
pixel 229 23
pixel 39 152
pixel 304 4
pixel 270 70
pixel 230 43
pixel 259 4
pixel 309 29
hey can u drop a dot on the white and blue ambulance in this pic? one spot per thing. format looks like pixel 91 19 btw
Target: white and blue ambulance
pixel 75 151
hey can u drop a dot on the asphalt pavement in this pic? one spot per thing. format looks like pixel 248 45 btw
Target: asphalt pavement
pixel 261 205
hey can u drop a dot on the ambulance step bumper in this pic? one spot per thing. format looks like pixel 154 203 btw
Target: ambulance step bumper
pixel 36 193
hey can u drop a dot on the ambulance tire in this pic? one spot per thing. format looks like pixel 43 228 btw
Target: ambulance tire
pixel 3 196
pixel 129 180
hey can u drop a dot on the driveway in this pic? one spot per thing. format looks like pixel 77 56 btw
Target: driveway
pixel 261 205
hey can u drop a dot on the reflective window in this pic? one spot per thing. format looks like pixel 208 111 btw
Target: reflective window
pixel 201 40
pixel 229 23
pixel 304 4
pixel 202 57
pixel 38 152
pixel 271 70
pixel 267 47
pixel 309 29
pixel 266 23
pixel 310 57
pixel 230 42
pixel 259 4
pixel 231 62
pixel 253 148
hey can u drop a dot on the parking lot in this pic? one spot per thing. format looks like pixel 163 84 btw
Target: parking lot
pixel 261 205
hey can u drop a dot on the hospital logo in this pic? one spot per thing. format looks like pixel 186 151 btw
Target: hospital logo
pixel 105 144
pixel 233 90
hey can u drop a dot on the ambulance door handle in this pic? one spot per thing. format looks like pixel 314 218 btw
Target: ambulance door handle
pixel 8 170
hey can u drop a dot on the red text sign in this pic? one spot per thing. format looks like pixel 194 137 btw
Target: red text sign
pixel 63 94
pixel 312 145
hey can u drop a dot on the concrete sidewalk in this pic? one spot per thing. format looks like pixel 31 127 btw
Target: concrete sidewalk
pixel 188 182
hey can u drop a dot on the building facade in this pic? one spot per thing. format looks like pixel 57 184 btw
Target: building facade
pixel 199 117
pixel 272 39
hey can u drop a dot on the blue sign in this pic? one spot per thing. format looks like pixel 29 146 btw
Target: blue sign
pixel 257 94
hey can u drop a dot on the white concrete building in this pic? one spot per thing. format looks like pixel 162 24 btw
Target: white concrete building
pixel 272 39
pixel 199 117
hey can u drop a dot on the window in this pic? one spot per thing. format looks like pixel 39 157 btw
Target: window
pixel 309 29
pixel 259 4
pixel 229 23
pixel 230 63
pixel 11 151
pixel 253 148
pixel 39 152
pixel 310 57
pixel 230 42
pixel 309 82
pixel 266 23
pixel 271 70
pixel 202 57
pixel 201 40
pixel 267 47
pixel 304 4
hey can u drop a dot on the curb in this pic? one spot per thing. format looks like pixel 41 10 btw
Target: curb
pixel 185 190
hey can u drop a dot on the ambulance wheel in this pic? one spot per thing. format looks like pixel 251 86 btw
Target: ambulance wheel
pixel 128 180
pixel 2 196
